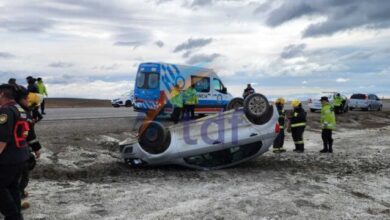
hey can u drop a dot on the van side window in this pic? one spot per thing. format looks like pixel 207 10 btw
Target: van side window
pixel 202 84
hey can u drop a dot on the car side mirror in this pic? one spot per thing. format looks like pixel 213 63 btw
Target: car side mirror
pixel 224 90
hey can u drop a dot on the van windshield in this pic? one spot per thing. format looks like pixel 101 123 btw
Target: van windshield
pixel 148 80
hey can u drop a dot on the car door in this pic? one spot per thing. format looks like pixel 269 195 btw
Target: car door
pixel 372 101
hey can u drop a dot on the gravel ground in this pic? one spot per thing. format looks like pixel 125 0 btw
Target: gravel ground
pixel 81 177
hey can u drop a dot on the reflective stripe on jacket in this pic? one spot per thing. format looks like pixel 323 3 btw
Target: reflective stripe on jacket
pixel 298 118
pixel 328 118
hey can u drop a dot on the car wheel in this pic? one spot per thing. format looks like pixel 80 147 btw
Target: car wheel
pixel 153 137
pixel 257 109
pixel 235 103
pixel 128 103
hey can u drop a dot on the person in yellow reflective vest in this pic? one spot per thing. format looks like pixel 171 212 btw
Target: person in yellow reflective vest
pixel 177 103
pixel 338 103
pixel 298 125
pixel 328 123
pixel 43 91
pixel 190 100
pixel 279 140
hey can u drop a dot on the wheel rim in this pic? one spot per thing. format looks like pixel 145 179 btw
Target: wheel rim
pixel 257 105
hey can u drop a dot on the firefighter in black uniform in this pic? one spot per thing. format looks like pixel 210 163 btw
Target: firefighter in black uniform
pixel 13 152
pixel 34 145
pixel 279 140
pixel 298 124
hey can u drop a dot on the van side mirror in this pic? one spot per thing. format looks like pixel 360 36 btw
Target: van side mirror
pixel 224 90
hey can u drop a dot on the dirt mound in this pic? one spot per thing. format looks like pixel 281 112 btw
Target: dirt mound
pixel 353 120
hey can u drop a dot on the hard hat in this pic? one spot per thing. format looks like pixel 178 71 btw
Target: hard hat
pixel 280 101
pixel 295 103
pixel 34 99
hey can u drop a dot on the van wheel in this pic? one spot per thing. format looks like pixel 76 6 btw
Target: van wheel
pixel 257 109
pixel 128 103
pixel 153 137
pixel 235 103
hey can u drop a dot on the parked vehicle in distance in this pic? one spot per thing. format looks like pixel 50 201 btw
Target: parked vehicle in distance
pixel 366 102
pixel 232 137
pixel 124 100
pixel 315 103
pixel 155 81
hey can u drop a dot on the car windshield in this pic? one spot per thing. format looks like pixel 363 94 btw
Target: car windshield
pixel 358 96
pixel 148 80
pixel 224 157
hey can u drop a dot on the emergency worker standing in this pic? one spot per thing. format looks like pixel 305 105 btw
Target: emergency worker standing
pixel 13 152
pixel 328 123
pixel 177 103
pixel 33 143
pixel 279 141
pixel 338 103
pixel 298 124
pixel 33 88
pixel 248 91
pixel 43 91
pixel 190 100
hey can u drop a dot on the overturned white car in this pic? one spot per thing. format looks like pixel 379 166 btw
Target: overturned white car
pixel 212 142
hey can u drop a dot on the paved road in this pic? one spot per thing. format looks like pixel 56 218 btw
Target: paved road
pixel 88 113
pixel 94 113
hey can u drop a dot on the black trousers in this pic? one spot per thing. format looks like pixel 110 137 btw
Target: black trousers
pixel 189 111
pixel 297 135
pixel 43 106
pixel 9 191
pixel 36 115
pixel 327 139
pixel 279 140
pixel 176 114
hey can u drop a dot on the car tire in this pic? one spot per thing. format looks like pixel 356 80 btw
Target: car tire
pixel 235 103
pixel 153 137
pixel 128 103
pixel 257 109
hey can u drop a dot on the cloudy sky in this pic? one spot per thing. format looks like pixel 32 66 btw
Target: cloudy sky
pixel 91 48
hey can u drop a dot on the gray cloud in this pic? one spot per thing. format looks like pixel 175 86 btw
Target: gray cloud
pixel 192 43
pixel 202 58
pixel 107 67
pixel 340 15
pixel 292 51
pixel 201 3
pixel 60 65
pixel 25 24
pixel 5 55
pixel 159 43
